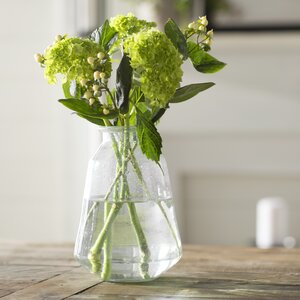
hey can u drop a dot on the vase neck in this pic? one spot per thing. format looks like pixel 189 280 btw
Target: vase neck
pixel 118 133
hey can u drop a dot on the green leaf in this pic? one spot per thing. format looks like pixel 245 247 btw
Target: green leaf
pixel 177 38
pixel 149 139
pixel 66 89
pixel 158 114
pixel 92 120
pixel 202 61
pixel 81 107
pixel 186 92
pixel 123 84
pixel 71 89
pixel 104 35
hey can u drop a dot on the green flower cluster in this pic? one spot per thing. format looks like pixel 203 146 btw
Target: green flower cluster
pixel 127 25
pixel 69 57
pixel 158 63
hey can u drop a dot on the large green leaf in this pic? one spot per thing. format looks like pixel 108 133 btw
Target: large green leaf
pixel 202 61
pixel 149 139
pixel 177 38
pixel 123 84
pixel 92 120
pixel 186 92
pixel 104 35
pixel 84 109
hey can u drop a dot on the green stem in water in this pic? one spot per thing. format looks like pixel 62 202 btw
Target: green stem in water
pixel 107 245
pixel 95 251
pixel 140 177
pixel 141 238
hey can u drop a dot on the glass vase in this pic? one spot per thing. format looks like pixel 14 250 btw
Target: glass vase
pixel 128 230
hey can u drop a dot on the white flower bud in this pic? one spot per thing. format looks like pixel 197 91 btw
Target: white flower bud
pixel 191 25
pixel 203 21
pixel 210 33
pixel 38 58
pixel 101 55
pixel 96 87
pixel 105 111
pixel 102 75
pixel 92 100
pixel 97 75
pixel 201 28
pixel 88 95
pixel 58 38
pixel 207 42
pixel 98 94
pixel 83 82
pixel 91 60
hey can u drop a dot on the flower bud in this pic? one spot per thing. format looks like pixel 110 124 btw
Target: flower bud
pixel 98 94
pixel 105 111
pixel 203 21
pixel 88 95
pixel 92 100
pixel 201 28
pixel 96 87
pixel 191 25
pixel 207 42
pixel 97 75
pixel 102 75
pixel 38 58
pixel 83 82
pixel 101 55
pixel 91 60
pixel 58 38
pixel 210 33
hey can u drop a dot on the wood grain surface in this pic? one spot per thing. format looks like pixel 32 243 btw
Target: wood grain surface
pixel 40 271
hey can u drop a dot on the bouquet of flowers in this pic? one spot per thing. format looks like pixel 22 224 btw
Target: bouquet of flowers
pixel 147 84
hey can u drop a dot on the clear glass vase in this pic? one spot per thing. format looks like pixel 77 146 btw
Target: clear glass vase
pixel 128 230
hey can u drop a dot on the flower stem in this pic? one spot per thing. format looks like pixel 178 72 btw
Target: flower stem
pixel 144 185
pixel 141 238
pixel 107 246
pixel 95 251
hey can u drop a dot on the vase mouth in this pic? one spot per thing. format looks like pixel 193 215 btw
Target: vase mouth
pixel 116 128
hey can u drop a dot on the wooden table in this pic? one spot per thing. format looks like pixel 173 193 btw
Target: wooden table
pixel 31 271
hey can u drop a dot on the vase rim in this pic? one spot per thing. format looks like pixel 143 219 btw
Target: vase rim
pixel 115 128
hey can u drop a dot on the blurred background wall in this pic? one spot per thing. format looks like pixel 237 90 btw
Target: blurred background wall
pixel 226 149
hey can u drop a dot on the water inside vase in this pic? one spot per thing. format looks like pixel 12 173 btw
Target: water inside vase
pixel 125 258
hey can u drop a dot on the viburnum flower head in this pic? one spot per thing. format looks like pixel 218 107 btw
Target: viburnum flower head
pixel 71 57
pixel 127 25
pixel 157 62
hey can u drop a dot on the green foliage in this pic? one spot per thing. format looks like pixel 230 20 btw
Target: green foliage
pixel 96 121
pixel 158 114
pixel 149 139
pixel 177 38
pixel 187 92
pixel 84 109
pixel 202 61
pixel 105 35
pixel 123 84
pixel 71 89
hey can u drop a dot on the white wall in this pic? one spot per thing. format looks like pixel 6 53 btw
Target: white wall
pixel 43 148
pixel 239 141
